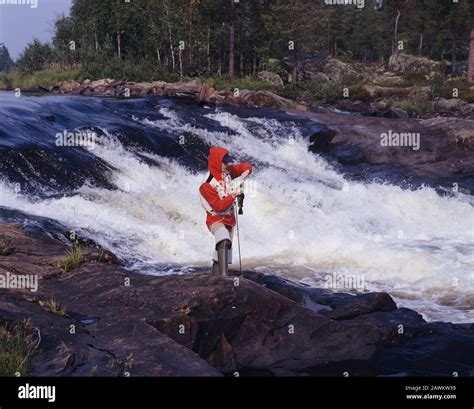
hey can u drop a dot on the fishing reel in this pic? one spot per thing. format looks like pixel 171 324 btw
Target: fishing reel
pixel 238 183
pixel 240 203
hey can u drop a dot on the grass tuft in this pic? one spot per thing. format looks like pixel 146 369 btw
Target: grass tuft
pixel 16 346
pixel 73 258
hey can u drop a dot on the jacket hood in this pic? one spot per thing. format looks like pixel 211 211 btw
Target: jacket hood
pixel 215 162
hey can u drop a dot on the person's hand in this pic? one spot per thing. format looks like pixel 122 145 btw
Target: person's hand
pixel 237 192
pixel 245 174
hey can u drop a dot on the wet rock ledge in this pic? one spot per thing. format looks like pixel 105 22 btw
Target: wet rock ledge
pixel 107 321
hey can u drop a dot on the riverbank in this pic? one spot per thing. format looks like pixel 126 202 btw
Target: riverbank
pixel 406 86
pixel 100 319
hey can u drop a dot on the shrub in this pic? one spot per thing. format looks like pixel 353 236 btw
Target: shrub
pixel 131 70
pixel 44 78
pixel 16 347
pixel 276 67
pixel 416 107
pixel 53 306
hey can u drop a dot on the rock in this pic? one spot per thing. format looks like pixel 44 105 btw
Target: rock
pixel 362 304
pixel 202 325
pixel 263 99
pixel 231 100
pixel 184 90
pixel 271 77
pixel 446 144
pixel 207 94
pixel 391 81
pixel 443 104
pixel 421 93
pixel 377 91
pixel 101 83
pixel 319 66
pixel 301 107
pixel 66 86
pixel 402 63
pixel 398 113
pixel 460 131
pixel 235 338
pixel 380 105
pixel 336 70
pixel 319 142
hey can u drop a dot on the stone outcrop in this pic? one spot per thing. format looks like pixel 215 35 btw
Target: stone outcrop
pixel 322 67
pixel 200 325
pixel 445 150
pixel 402 63
pixel 192 90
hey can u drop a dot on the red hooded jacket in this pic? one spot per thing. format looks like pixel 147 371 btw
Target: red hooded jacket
pixel 210 194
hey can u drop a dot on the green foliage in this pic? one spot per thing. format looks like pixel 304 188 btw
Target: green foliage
pixel 6 63
pixel 16 346
pixel 36 56
pixel 132 70
pixel 73 258
pixel 358 92
pixel 43 78
pixel 443 88
pixel 416 107
pixel 293 91
pixel 52 305
pixel 171 39
pixel 274 66
pixel 324 91
pixel 221 83
pixel 5 82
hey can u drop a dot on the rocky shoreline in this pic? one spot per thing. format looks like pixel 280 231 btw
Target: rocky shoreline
pixel 108 321
pixel 194 90
pixel 446 145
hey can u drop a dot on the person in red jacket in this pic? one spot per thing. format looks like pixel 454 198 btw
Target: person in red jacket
pixel 218 195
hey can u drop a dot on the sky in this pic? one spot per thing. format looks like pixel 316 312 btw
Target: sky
pixel 21 23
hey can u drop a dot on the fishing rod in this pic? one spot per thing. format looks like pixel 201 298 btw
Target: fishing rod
pixel 240 206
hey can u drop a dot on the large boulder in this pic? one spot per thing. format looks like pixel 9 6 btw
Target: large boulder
pixel 318 66
pixel 271 77
pixel 402 63
pixel 443 104
pixel 460 131
pixel 337 71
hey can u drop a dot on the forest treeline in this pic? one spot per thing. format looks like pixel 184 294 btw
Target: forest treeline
pixel 155 39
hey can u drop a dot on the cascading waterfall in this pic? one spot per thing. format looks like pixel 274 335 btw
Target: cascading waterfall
pixel 303 218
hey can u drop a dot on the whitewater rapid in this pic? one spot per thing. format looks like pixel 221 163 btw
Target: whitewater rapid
pixel 303 219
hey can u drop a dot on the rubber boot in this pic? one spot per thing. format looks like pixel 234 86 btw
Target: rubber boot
pixel 215 268
pixel 223 257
